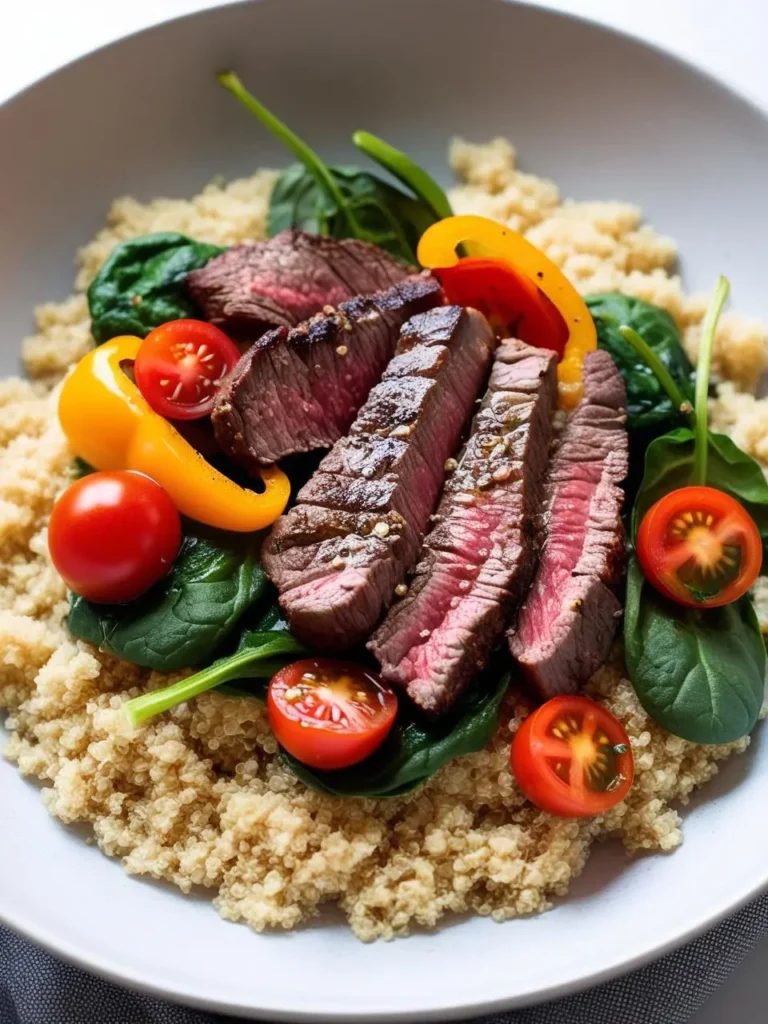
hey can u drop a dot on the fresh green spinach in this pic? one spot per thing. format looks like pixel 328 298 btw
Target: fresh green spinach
pixel 407 171
pixel 79 468
pixel 701 397
pixel 411 754
pixel 346 202
pixel 649 408
pixel 383 214
pixel 183 619
pixel 258 655
pixel 141 284
pixel 698 673
pixel 416 749
pixel 669 465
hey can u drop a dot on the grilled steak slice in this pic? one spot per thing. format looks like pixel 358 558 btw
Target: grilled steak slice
pixel 569 621
pixel 250 288
pixel 479 558
pixel 294 391
pixel 338 555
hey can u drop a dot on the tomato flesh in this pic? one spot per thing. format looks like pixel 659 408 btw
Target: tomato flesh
pixel 181 365
pixel 512 303
pixel 112 535
pixel 699 547
pixel 329 714
pixel 572 758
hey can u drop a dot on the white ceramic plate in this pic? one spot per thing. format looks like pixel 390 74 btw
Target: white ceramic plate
pixel 602 115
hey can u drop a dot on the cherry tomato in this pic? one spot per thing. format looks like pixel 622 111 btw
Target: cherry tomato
pixel 699 547
pixel 510 300
pixel 181 364
pixel 572 758
pixel 329 714
pixel 112 535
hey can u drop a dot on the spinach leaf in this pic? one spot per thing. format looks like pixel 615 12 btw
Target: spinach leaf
pixel 344 202
pixel 271 619
pixel 182 619
pixel 413 751
pixel 416 749
pixel 384 214
pixel 699 673
pixel 423 185
pixel 141 284
pixel 258 655
pixel 648 406
pixel 79 468
pixel 669 464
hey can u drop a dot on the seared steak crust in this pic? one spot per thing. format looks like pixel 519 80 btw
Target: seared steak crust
pixel 569 621
pixel 297 390
pixel 338 555
pixel 278 283
pixel 479 557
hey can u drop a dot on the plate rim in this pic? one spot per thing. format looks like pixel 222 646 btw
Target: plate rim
pixel 111 970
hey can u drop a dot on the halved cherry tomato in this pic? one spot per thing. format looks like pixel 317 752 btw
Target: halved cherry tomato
pixel 699 547
pixel 510 300
pixel 112 535
pixel 329 714
pixel 180 365
pixel 572 758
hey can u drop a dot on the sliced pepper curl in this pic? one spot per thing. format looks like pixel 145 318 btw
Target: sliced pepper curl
pixel 109 424
pixel 437 250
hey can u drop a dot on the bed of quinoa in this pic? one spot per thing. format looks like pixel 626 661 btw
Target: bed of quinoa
pixel 198 797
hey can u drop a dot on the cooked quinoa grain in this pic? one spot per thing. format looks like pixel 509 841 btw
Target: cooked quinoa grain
pixel 199 796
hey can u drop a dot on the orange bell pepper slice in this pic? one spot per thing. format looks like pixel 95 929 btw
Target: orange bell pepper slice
pixel 109 424
pixel 437 249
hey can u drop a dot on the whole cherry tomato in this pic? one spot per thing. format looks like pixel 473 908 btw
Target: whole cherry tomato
pixel 112 535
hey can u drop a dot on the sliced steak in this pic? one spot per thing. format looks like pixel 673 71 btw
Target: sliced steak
pixel 298 390
pixel 478 559
pixel 338 555
pixel 278 283
pixel 569 621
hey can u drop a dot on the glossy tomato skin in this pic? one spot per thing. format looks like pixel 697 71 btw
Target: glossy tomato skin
pixel 533 762
pixel 180 367
pixel 658 540
pixel 112 535
pixel 329 714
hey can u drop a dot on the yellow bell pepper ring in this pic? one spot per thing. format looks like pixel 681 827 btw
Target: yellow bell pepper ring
pixel 109 424
pixel 437 248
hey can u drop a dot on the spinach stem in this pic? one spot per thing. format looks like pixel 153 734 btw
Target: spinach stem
pixel 706 344
pixel 665 378
pixel 140 709
pixel 300 149
pixel 406 170
pixel 248 662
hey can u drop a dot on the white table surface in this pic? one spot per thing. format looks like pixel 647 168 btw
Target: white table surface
pixel 726 36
